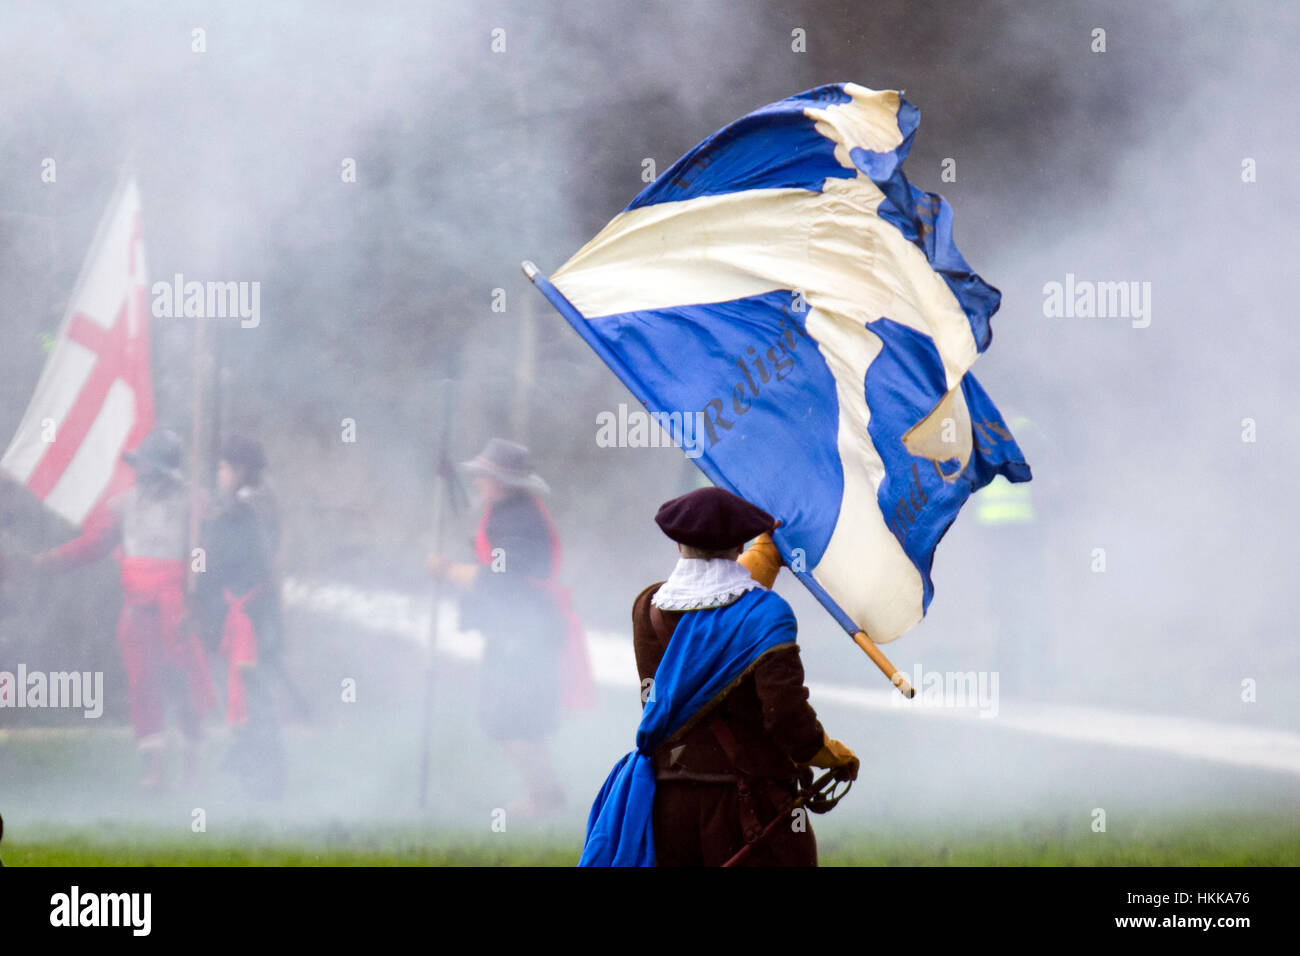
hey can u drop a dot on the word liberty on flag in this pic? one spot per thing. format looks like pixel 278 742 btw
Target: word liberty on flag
pixel 94 399
pixel 787 281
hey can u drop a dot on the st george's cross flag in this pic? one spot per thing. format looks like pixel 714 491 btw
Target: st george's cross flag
pixel 784 286
pixel 94 399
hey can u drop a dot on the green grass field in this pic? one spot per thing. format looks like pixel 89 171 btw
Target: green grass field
pixel 930 793
pixel 1258 841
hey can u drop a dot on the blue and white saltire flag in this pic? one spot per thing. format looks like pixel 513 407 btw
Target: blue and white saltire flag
pixel 786 281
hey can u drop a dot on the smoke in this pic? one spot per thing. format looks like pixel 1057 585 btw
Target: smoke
pixel 378 300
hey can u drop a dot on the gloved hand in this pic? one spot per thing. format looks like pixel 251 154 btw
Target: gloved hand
pixel 834 755
pixel 762 560
pixel 458 575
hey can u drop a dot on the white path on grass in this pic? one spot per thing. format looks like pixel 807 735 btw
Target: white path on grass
pixel 612 661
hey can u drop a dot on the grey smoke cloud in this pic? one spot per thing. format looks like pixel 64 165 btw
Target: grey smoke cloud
pixel 1114 167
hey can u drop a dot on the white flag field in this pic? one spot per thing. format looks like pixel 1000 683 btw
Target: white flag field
pixel 94 399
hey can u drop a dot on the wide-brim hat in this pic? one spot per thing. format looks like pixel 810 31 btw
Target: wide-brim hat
pixel 160 451
pixel 712 519
pixel 509 463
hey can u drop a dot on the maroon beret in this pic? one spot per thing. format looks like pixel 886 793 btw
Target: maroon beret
pixel 712 519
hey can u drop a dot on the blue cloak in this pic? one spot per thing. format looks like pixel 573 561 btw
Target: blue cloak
pixel 709 651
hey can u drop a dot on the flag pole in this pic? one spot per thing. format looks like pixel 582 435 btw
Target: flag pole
pixel 199 364
pixel 440 501
pixel 580 325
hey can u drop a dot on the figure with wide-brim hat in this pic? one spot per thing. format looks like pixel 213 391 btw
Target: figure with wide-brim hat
pixel 534 661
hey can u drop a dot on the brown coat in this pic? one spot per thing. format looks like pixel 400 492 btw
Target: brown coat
pixel 701 820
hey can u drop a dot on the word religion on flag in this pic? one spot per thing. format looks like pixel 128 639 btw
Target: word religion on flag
pixel 784 279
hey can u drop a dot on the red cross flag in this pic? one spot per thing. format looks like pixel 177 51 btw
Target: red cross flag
pixel 94 399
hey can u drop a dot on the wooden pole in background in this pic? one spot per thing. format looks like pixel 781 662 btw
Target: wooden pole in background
pixel 198 498
pixel 441 494
pixel 525 373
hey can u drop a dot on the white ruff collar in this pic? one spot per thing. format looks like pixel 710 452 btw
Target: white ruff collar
pixel 699 583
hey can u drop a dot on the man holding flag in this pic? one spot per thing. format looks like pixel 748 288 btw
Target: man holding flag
pixel 87 449
pixel 785 280
pixel 727 732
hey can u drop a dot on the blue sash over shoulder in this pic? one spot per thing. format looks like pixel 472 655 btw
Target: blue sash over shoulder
pixel 709 650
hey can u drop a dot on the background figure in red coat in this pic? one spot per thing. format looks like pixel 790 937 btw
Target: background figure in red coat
pixel 164 660
pixel 534 655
